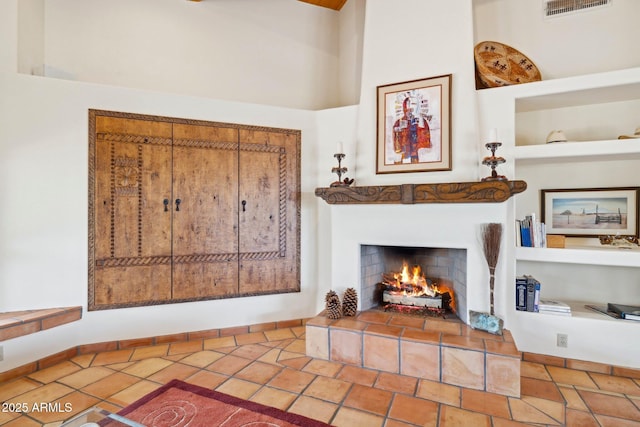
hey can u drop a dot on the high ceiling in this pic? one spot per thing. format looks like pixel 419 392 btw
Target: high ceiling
pixel 331 4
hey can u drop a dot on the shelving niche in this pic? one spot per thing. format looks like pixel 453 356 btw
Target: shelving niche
pixel 592 110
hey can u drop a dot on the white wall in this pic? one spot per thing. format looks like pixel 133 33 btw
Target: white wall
pixel 350 51
pixel 401 46
pixel 9 36
pixel 31 37
pixel 584 42
pixel 276 52
pixel 43 215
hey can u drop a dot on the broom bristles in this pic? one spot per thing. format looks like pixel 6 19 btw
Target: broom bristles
pixel 491 238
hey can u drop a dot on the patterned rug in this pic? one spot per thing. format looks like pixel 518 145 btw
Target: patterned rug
pixel 181 404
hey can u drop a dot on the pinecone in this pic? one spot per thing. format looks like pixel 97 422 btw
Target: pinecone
pixel 332 304
pixel 350 302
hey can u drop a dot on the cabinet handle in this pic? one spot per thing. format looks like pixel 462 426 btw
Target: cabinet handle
pixel 165 202
pixel 244 204
pixel 178 201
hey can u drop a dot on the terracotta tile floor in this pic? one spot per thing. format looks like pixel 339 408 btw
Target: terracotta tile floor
pixel 271 368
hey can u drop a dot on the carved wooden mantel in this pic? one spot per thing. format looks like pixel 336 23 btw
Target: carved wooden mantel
pixel 450 192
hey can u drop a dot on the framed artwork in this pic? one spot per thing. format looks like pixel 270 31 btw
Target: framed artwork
pixel 590 211
pixel 414 126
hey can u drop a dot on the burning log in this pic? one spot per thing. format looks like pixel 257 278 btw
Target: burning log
pixel 402 298
pixel 392 285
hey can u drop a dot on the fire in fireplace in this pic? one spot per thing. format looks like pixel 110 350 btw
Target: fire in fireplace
pixel 411 291
pixel 441 279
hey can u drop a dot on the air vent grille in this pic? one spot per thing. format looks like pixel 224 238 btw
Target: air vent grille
pixel 560 7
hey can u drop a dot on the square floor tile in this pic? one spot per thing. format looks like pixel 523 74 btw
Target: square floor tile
pixel 322 367
pixel 329 389
pixel 228 365
pixel 368 399
pixel 238 388
pixel 358 375
pixel 414 410
pixel 292 380
pixel 313 408
pixel 258 372
pixel 274 397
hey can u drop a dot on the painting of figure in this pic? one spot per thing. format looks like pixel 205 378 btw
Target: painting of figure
pixel 414 126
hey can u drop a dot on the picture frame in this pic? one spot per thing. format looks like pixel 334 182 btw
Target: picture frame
pixel 414 126
pixel 590 212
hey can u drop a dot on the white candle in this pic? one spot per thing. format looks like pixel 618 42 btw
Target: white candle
pixel 339 148
pixel 493 135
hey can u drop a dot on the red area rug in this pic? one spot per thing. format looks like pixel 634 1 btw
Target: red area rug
pixel 181 404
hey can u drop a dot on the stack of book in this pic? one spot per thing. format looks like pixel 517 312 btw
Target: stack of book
pixel 558 308
pixel 528 298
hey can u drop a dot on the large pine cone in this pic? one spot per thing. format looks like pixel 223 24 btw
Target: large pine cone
pixel 332 305
pixel 350 302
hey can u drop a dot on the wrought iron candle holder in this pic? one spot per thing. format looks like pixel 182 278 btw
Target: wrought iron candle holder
pixel 340 170
pixel 493 161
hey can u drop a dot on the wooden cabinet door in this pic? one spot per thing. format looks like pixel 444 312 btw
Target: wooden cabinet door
pixel 205 222
pixel 268 211
pixel 131 248
pixel 184 210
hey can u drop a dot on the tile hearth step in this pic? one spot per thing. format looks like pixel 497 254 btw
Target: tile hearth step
pixel 15 324
pixel 441 350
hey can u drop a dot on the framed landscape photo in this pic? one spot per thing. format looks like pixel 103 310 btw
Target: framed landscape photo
pixel 590 211
pixel 414 126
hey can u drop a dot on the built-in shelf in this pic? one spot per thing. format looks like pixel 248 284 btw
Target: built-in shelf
pixel 593 111
pixel 450 192
pixel 579 311
pixel 608 149
pixel 593 255
pixel 15 324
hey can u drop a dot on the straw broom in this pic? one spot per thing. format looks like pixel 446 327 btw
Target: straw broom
pixel 491 238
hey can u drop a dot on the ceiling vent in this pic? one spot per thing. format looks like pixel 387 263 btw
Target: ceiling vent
pixel 563 7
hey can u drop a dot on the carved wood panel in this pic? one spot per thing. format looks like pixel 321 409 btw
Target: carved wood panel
pixel 205 228
pixel 132 231
pixel 268 212
pixel 166 218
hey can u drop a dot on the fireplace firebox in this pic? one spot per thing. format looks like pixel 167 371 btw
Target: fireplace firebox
pixel 420 280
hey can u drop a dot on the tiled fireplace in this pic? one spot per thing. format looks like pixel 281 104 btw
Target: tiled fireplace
pixel 368 241
pixel 436 350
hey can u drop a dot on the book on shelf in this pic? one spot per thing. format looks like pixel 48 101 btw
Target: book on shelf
pixel 629 312
pixel 533 293
pixel 527 293
pixel 555 312
pixel 531 232
pixel 553 305
pixel 521 293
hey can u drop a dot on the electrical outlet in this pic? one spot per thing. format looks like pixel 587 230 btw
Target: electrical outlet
pixel 563 340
